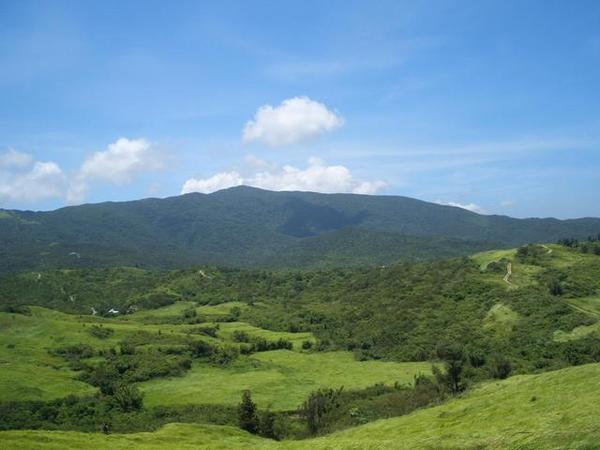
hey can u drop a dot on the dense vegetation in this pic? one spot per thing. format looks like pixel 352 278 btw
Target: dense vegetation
pixel 251 227
pixel 287 354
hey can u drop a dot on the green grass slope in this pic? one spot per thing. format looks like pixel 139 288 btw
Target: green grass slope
pixel 279 380
pixel 555 410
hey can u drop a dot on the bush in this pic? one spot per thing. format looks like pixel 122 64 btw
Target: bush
pixel 307 345
pixel 155 300
pixel 207 331
pixel 128 398
pixel 241 336
pixel 74 351
pixel 224 355
pixel 100 332
pixel 201 349
pixel 16 309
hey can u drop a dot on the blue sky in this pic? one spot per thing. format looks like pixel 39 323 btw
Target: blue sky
pixel 494 106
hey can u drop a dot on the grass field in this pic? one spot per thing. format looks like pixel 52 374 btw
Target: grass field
pixel 555 410
pixel 522 274
pixel 589 306
pixel 26 339
pixel 484 258
pixel 177 309
pixel 227 329
pixel 279 379
pixel 501 319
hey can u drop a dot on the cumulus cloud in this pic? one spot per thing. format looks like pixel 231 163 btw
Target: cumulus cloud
pixel 218 181
pixel 121 160
pixel 22 179
pixel 118 164
pixel 294 120
pixel 316 177
pixel 468 206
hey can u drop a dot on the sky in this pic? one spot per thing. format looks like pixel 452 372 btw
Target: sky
pixel 493 106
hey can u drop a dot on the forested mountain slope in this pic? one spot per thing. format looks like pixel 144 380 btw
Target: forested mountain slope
pixel 251 227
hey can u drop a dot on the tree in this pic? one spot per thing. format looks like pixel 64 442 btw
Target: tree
pixel 451 378
pixel 316 407
pixel 500 367
pixel 554 287
pixel 247 416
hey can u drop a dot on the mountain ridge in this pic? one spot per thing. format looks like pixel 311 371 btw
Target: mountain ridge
pixel 245 226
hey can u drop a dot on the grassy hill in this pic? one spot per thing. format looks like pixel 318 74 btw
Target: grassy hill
pixel 252 227
pixel 172 364
pixel 548 411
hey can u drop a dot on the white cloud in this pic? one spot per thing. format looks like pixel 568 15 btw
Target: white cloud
pixel 294 120
pixel 218 181
pixel 121 161
pixel 117 165
pixel 24 180
pixel 316 177
pixel 507 203
pixel 13 158
pixel 468 206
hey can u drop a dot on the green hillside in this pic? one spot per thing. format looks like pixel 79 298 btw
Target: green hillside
pixel 252 227
pixel 416 353
pixel 549 411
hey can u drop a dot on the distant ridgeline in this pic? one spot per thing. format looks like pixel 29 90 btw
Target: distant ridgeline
pixel 251 227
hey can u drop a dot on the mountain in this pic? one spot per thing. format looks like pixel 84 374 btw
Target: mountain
pixel 246 226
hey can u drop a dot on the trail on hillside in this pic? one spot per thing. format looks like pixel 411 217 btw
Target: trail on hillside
pixel 549 250
pixel 508 275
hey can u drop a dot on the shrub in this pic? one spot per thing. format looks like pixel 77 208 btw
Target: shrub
pixel 241 336
pixel 224 355
pixel 207 331
pixel 100 332
pixel 201 349
pixel 128 398
pixel 247 417
pixel 74 351
pixel 266 426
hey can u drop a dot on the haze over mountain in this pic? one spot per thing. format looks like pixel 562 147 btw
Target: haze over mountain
pixel 246 226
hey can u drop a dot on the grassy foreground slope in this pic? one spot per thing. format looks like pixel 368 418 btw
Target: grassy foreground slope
pixel 548 411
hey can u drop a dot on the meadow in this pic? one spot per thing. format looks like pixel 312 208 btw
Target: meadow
pixel 549 411
pixel 278 380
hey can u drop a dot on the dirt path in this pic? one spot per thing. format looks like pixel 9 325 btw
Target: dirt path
pixel 508 275
pixel 201 272
pixel 549 250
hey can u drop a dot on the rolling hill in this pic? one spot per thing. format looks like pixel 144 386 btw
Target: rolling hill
pixel 189 342
pixel 251 227
pixel 549 411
